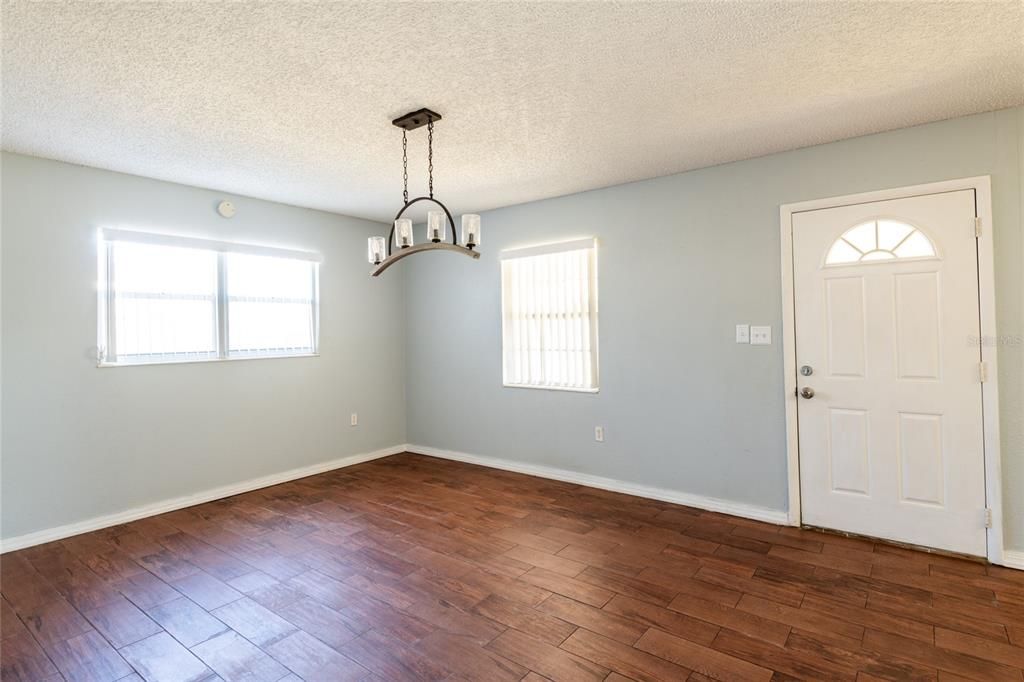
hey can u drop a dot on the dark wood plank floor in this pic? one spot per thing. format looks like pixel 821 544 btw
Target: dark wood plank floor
pixel 416 568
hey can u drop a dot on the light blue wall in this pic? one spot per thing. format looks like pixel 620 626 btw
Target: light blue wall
pixel 80 442
pixel 417 353
pixel 683 259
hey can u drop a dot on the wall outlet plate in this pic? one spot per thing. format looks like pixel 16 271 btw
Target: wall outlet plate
pixel 599 434
pixel 743 333
pixel 761 336
pixel 355 419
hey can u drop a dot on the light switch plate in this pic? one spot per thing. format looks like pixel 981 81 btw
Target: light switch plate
pixel 743 333
pixel 760 336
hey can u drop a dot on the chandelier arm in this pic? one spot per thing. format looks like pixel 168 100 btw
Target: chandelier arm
pixel 451 221
pixel 419 248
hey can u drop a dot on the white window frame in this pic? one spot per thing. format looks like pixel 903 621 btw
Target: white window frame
pixel 543 249
pixel 106 313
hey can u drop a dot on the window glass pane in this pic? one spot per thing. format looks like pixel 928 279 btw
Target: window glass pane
pixel 880 240
pixel 268 277
pixel 549 321
pixel 842 252
pixel 148 268
pixel 270 304
pixel 915 246
pixel 164 302
pixel 862 237
pixel 891 233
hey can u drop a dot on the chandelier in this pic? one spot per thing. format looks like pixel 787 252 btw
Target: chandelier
pixel 380 251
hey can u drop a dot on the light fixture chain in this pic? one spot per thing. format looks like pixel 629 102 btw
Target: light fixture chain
pixel 405 168
pixel 430 156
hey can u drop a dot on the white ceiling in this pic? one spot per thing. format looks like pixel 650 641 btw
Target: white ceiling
pixel 293 101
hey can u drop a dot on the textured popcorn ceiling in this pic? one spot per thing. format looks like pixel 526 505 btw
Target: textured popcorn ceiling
pixel 293 101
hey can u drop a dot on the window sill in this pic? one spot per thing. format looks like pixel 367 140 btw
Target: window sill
pixel 194 361
pixel 554 388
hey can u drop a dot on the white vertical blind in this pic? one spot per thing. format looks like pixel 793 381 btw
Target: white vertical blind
pixel 270 305
pixel 164 302
pixel 549 316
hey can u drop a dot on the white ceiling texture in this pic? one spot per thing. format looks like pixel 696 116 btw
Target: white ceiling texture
pixel 292 101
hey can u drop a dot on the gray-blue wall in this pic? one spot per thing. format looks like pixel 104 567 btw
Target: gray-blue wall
pixel 417 353
pixel 80 442
pixel 683 259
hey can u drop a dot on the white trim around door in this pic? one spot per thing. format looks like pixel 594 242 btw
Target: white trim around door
pixel 986 289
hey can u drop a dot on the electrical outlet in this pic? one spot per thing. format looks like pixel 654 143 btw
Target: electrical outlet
pixel 599 434
pixel 761 336
pixel 743 333
pixel 355 419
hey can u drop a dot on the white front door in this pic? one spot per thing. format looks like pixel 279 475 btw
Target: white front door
pixel 887 327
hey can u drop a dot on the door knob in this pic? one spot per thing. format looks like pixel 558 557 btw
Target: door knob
pixel 807 392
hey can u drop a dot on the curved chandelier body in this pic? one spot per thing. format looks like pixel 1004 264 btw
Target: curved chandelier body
pixel 380 251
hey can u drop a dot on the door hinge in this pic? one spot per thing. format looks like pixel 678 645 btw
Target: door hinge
pixel 977 226
pixel 988 517
pixel 983 372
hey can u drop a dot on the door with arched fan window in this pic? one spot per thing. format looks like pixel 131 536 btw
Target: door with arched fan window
pixel 890 417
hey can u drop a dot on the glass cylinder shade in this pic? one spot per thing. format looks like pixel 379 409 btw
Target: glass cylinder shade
pixel 470 230
pixel 403 232
pixel 376 249
pixel 436 224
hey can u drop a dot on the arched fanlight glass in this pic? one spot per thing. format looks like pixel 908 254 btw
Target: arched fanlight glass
pixel 880 240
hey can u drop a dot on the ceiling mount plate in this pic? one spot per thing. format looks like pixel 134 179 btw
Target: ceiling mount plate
pixel 416 119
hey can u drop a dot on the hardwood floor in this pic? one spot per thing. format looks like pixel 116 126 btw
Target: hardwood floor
pixel 411 567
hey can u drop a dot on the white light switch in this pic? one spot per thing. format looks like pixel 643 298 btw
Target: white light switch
pixel 760 336
pixel 743 333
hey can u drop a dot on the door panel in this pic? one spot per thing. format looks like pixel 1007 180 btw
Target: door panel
pixel 886 302
pixel 917 325
pixel 922 476
pixel 848 450
pixel 845 311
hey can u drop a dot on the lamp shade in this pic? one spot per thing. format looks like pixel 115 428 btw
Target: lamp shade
pixel 470 229
pixel 436 226
pixel 403 232
pixel 376 249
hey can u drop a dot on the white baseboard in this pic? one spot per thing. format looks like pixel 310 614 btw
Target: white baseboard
pixel 1012 559
pixel 748 511
pixel 60 532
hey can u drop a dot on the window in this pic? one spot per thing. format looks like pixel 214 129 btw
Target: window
pixel 172 299
pixel 549 316
pixel 880 240
pixel 270 306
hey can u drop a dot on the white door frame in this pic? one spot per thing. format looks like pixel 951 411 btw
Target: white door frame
pixel 987 300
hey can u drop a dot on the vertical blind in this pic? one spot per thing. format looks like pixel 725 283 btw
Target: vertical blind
pixel 174 299
pixel 164 301
pixel 549 316
pixel 270 305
